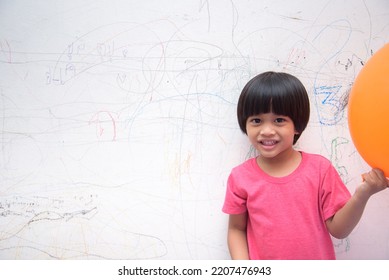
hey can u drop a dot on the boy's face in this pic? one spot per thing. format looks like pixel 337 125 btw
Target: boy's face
pixel 270 134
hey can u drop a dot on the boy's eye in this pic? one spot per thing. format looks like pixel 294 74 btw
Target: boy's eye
pixel 256 120
pixel 279 120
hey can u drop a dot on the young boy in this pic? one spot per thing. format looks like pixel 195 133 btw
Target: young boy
pixel 284 204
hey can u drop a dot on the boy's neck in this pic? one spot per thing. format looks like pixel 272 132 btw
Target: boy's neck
pixel 282 165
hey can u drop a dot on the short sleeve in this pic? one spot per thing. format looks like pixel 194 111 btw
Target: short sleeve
pixel 235 198
pixel 334 193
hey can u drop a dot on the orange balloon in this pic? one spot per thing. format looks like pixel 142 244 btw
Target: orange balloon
pixel 368 111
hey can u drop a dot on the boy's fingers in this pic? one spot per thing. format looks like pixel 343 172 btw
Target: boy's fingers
pixel 364 177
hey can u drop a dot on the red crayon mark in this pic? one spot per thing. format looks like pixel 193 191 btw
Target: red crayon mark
pixel 105 123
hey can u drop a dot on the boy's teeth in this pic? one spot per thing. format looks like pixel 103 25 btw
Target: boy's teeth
pixel 268 142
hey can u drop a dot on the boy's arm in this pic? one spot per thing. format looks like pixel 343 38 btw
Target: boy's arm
pixel 237 239
pixel 344 221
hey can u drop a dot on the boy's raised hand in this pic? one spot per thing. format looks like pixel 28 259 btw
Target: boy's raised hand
pixel 374 181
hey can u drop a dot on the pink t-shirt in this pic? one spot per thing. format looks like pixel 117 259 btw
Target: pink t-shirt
pixel 286 215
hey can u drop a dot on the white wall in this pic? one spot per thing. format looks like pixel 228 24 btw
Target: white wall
pixel 118 126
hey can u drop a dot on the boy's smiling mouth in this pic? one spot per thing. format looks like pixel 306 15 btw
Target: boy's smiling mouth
pixel 268 142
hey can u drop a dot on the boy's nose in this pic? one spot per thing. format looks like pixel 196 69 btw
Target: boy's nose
pixel 267 130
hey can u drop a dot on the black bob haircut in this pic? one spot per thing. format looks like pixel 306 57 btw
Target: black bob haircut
pixel 276 92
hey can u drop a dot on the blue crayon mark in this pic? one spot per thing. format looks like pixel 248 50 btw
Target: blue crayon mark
pixel 330 105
